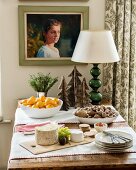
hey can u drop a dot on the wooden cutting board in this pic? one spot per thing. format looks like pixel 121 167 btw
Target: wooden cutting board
pixel 38 149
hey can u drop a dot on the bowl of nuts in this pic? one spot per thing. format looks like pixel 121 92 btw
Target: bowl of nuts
pixel 95 114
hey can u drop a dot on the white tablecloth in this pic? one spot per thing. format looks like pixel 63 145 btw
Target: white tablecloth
pixel 60 117
pixel 19 152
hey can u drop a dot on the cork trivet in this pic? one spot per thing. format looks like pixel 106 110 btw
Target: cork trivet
pixel 37 149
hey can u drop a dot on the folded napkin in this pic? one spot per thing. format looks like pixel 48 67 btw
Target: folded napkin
pixel 30 127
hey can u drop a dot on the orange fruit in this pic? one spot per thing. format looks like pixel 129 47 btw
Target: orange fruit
pixel 31 100
pixel 23 101
pixel 48 100
pixel 34 106
pixel 40 104
pixel 42 98
pixel 49 106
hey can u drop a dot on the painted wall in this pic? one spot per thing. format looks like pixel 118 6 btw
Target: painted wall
pixel 14 78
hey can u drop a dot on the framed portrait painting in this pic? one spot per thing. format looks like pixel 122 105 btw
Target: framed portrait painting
pixel 48 34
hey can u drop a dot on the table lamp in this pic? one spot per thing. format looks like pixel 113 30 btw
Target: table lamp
pixel 95 47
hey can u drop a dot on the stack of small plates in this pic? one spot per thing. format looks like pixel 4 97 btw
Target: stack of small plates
pixel 114 140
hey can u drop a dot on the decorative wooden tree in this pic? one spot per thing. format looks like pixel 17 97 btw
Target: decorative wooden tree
pixel 82 95
pixel 63 95
pixel 85 96
pixel 73 84
pixel 78 100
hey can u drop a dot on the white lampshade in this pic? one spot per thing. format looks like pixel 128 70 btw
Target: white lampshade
pixel 95 47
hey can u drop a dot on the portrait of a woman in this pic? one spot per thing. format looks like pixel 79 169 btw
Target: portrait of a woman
pixel 51 34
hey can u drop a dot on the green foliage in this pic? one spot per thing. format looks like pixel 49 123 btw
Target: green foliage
pixel 41 82
pixel 64 132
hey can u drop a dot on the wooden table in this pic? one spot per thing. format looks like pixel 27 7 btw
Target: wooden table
pixel 118 161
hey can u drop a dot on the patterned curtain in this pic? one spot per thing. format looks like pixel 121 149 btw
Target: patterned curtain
pixel 119 79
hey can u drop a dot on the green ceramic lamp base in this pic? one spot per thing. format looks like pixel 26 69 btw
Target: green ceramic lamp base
pixel 95 83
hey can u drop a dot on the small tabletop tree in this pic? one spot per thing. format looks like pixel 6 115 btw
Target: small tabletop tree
pixel 82 95
pixel 63 95
pixel 85 96
pixel 74 82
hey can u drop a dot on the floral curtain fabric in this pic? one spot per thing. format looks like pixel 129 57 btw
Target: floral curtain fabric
pixel 119 79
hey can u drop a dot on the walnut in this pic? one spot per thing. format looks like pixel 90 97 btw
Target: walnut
pixel 81 113
pixel 100 113
pixel 91 113
pixel 97 116
pixel 104 115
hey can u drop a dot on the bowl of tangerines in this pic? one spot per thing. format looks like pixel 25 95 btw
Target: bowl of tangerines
pixel 41 107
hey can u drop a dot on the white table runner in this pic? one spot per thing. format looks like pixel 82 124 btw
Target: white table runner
pixel 18 152
pixel 60 117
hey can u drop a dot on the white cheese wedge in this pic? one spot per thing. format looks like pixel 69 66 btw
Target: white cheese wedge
pixel 76 135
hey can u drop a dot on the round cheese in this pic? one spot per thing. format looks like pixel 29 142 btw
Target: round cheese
pixel 46 135
pixel 76 135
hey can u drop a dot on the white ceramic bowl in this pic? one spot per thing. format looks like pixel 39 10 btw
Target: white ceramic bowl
pixel 100 127
pixel 42 112
pixel 92 121
pixel 83 115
